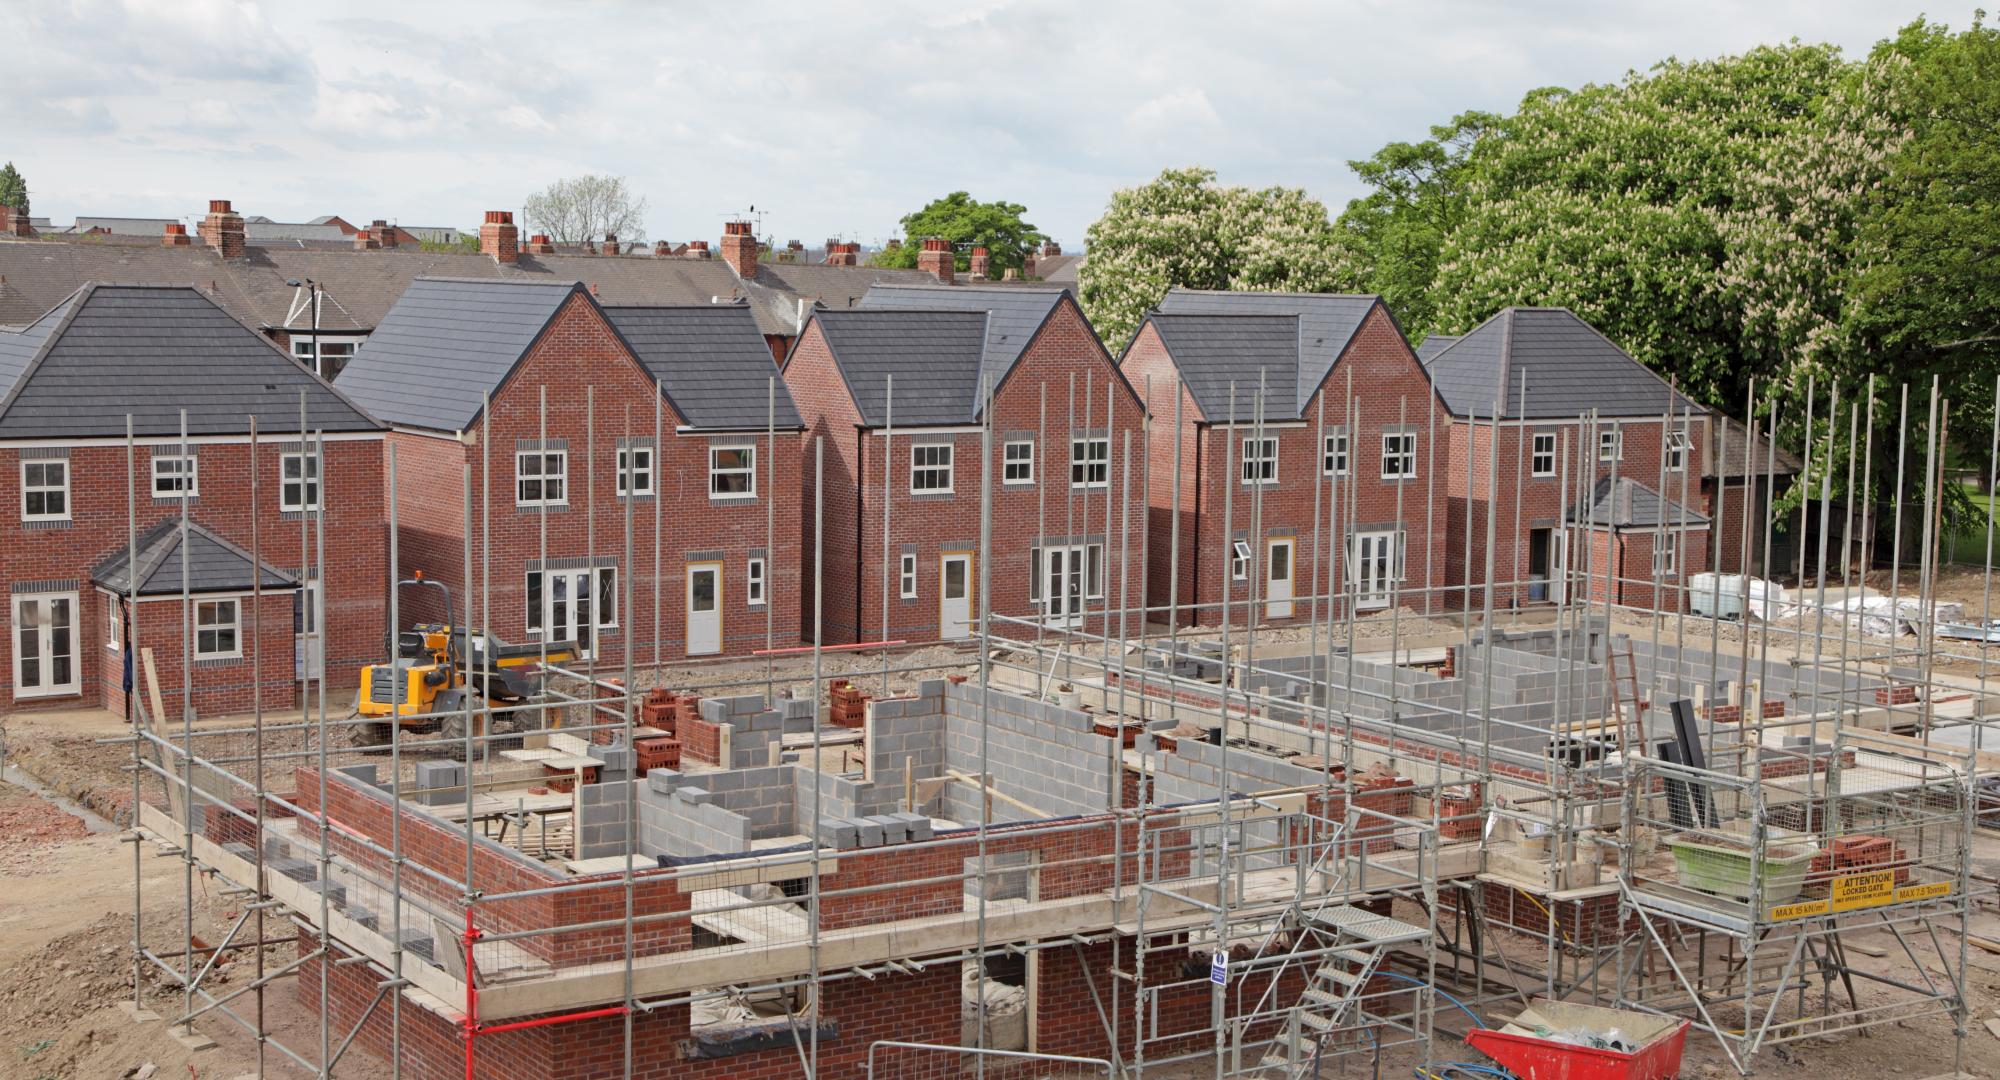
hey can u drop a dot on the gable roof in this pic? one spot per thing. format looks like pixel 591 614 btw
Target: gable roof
pixel 1631 505
pixel 934 356
pixel 1014 314
pixel 1433 345
pixel 150 351
pixel 779 288
pixel 712 363
pixel 214 564
pixel 1569 367
pixel 1733 451
pixel 1327 322
pixel 1215 351
pixel 446 345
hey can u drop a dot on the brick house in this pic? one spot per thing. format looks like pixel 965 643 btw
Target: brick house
pixel 69 383
pixel 1311 353
pixel 1575 413
pixel 666 411
pixel 1741 476
pixel 894 387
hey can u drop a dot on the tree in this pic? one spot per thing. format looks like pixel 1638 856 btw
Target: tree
pixel 968 223
pixel 13 188
pixel 583 208
pixel 1184 229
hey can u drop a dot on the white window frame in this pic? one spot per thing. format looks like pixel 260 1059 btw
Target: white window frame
pixel 754 582
pixel 1611 445
pixel 1677 450
pixel 1399 447
pixel 305 351
pixel 1093 469
pixel 719 473
pixel 1666 556
pixel 1536 454
pixel 45 489
pixel 1026 462
pixel 543 477
pixel 907 575
pixel 635 465
pixel 1333 454
pixel 183 483
pixel 233 626
pixel 938 467
pixel 114 623
pixel 308 482
pixel 535 598
pixel 1262 460
pixel 75 683
pixel 1239 560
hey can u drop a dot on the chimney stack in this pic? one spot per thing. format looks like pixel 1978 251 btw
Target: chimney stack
pixel 1029 264
pixel 176 235
pixel 981 262
pixel 610 245
pixel 540 244
pixel 937 260
pixel 739 249
pixel 1051 248
pixel 843 253
pixel 385 233
pixel 499 238
pixel 223 230
pixel 367 239
pixel 14 222
pixel 697 249
pixel 662 249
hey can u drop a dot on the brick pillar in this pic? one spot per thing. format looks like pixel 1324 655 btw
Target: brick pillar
pixel 982 261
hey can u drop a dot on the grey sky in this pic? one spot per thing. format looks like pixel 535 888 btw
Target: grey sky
pixel 833 118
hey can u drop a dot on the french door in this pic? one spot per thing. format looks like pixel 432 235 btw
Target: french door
pixel 1374 568
pixel 45 655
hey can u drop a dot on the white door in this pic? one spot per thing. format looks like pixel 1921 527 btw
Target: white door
pixel 309 644
pixel 704 608
pixel 955 596
pixel 1558 564
pixel 45 660
pixel 1278 587
pixel 567 609
pixel 1062 586
pixel 1374 569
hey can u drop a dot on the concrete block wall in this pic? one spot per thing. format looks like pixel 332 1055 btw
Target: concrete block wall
pixel 905 737
pixel 1045 756
pixel 680 819
pixel 603 824
pixel 754 729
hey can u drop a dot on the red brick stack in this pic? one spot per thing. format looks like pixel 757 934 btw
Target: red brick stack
pixel 847 704
pixel 1459 803
pixel 658 710
pixel 1853 854
pixel 661 752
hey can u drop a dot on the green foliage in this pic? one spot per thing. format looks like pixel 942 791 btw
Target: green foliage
pixel 1184 229
pixel 13 188
pixel 997 226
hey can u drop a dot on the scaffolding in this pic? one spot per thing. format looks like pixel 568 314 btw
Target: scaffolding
pixel 1304 837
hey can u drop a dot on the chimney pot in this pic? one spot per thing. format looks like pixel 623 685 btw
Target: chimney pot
pixel 736 228
pixel 176 235
pixel 499 238
pixel 697 249
pixel 218 206
pixel 540 244
pixel 499 217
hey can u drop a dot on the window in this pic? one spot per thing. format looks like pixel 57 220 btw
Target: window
pixel 1335 451
pixel 909 575
pixel 1239 561
pixel 753 583
pixel 215 630
pixel 541 478
pixel 1260 461
pixel 1089 462
pixel 298 482
pixel 595 593
pixel 45 491
pixel 176 476
pixel 1018 464
pixel 732 472
pixel 333 355
pixel 1542 454
pixel 535 592
pixel 635 470
pixel 114 624
pixel 1610 445
pixel 1677 446
pixel 1399 455
pixel 930 470
pixel 1664 552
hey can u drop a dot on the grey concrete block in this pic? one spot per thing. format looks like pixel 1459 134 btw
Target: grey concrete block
pixel 894 830
pixel 839 833
pixel 715 710
pixel 870 833
pixel 693 795
pixel 916 827
pixel 364 773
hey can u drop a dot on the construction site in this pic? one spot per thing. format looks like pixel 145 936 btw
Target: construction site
pixel 1269 837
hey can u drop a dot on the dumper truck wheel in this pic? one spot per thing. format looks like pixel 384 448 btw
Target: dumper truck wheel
pixel 373 738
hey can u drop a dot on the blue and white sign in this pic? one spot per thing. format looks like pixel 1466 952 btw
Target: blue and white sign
pixel 1218 969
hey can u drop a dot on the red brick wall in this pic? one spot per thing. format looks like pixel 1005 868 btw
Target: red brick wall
pixel 354 572
pixel 579 359
pixel 831 417
pixel 218 686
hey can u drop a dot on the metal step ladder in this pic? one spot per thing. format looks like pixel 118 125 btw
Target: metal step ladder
pixel 1333 997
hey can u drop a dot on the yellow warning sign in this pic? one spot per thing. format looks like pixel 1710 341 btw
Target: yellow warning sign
pixel 1800 910
pixel 1868 889
pixel 1927 891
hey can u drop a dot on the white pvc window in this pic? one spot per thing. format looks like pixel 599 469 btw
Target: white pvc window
pixel 1610 445
pixel 908 574
pixel 298 482
pixel 732 472
pixel 1334 455
pixel 541 478
pixel 45 490
pixel 1260 461
pixel 930 470
pixel 216 630
pixel 176 477
pixel 1399 455
pixel 114 624
pixel 1018 463
pixel 1677 447
pixel 753 583
pixel 1239 561
pixel 635 470
pixel 1665 556
pixel 1089 462
pixel 1542 454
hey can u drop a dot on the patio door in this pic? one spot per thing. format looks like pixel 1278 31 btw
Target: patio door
pixel 704 608
pixel 1374 568
pixel 45 656
pixel 308 642
pixel 955 595
pixel 1278 583
pixel 1063 586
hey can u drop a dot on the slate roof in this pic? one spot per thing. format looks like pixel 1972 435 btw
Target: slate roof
pixel 445 345
pixel 1327 322
pixel 1058 269
pixel 1570 369
pixel 1631 505
pixel 214 564
pixel 125 226
pixel 1014 315
pixel 151 351
pixel 935 357
pixel 1433 345
pixel 712 363
pixel 1726 453
pixel 1213 350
